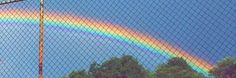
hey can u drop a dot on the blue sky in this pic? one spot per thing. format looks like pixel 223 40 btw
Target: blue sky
pixel 205 28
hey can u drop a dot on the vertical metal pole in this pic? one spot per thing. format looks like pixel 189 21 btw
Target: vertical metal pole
pixel 41 39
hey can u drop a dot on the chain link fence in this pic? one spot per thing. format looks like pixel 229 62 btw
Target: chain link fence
pixel 80 34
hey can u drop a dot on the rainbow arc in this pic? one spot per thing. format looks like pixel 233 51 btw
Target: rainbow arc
pixel 108 29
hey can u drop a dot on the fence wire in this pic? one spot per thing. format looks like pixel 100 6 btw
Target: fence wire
pixel 118 38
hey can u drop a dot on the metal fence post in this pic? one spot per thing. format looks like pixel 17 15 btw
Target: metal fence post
pixel 41 39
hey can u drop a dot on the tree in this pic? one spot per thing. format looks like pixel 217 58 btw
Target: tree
pixel 225 68
pixel 78 74
pixel 176 68
pixel 124 67
pixel 94 70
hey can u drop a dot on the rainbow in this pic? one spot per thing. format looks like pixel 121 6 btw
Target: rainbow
pixel 107 29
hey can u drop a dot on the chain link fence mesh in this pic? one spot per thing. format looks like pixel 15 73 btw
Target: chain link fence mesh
pixel 78 33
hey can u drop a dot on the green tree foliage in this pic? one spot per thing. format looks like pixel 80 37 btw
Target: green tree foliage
pixel 176 68
pixel 78 74
pixel 124 67
pixel 128 67
pixel 225 68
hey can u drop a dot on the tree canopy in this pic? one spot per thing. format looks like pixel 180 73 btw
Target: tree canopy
pixel 225 68
pixel 128 67
pixel 79 74
pixel 124 67
pixel 176 68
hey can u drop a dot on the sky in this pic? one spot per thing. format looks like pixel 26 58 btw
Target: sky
pixel 204 28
